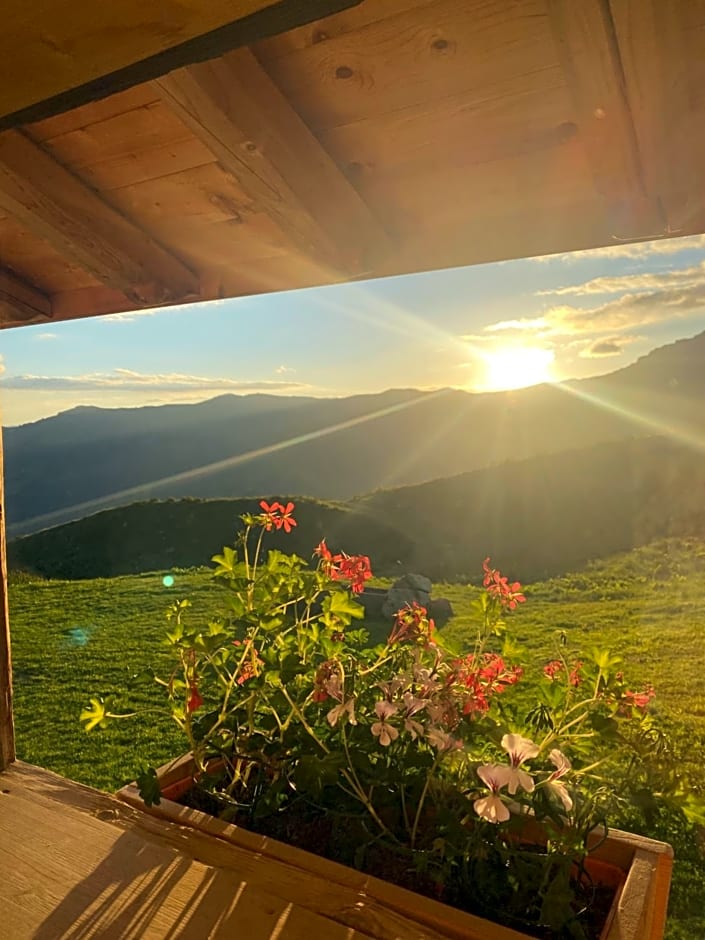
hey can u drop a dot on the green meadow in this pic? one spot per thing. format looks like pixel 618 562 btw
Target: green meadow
pixel 74 639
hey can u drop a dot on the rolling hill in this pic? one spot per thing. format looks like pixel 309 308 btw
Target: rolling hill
pixel 64 467
pixel 537 518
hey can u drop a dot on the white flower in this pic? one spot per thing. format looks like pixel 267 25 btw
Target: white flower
pixel 336 713
pixel 414 728
pixel 492 807
pixel 412 704
pixel 441 740
pixel 382 729
pixel 519 750
pixel 553 784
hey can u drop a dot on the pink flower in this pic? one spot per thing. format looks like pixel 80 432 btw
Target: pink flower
pixel 382 729
pixel 519 750
pixel 441 740
pixel 492 807
pixel 345 708
pixel 553 784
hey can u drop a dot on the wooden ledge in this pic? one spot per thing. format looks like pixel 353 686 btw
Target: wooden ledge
pixel 79 863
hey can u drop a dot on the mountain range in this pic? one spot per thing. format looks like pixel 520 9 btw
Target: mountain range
pixel 65 467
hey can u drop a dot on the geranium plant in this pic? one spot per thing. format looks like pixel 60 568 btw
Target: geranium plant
pixel 408 758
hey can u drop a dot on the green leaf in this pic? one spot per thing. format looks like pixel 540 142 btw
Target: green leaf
pixel 148 786
pixel 340 604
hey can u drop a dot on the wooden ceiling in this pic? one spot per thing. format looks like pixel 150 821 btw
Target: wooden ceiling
pixel 391 137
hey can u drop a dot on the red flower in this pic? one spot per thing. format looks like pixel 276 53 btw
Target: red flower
pixel 194 701
pixel 323 551
pixel 483 679
pixel 551 670
pixel 353 568
pixel 575 678
pixel 508 595
pixel 271 515
pixel 286 521
pixel 639 700
pixel 412 623
pixel 277 516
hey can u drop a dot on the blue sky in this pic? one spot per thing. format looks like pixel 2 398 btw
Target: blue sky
pixel 579 315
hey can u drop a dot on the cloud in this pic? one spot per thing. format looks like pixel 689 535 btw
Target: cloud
pixel 284 370
pixel 635 250
pixel 628 312
pixel 125 380
pixel 129 315
pixel 633 283
pixel 609 346
pixel 45 336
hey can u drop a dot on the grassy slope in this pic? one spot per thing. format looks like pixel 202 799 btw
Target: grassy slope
pixel 72 639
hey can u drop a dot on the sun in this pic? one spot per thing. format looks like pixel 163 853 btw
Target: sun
pixel 517 367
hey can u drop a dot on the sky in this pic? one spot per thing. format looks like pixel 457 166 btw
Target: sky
pixel 480 328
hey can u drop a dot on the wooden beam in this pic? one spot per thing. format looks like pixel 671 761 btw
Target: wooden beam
pixel 652 38
pixel 7 731
pixel 234 107
pixel 62 48
pixel 60 62
pixel 55 205
pixel 589 56
pixel 20 303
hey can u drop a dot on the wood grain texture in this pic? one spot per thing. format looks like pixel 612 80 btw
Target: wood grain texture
pixel 55 205
pixel 71 44
pixel 658 59
pixel 235 109
pixel 590 59
pixel 19 302
pixel 81 864
pixel 418 56
pixel 7 732
pixel 35 261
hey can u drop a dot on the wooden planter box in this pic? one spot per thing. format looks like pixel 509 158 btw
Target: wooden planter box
pixel 382 910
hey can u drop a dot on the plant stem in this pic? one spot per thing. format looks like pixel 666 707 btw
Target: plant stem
pixel 422 799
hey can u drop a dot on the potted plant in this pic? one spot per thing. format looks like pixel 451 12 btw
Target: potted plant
pixel 448 772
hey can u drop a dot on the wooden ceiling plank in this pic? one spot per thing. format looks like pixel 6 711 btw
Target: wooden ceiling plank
pixel 653 39
pixel 414 57
pixel 234 107
pixel 55 205
pixel 19 302
pixel 140 96
pixel 53 52
pixel 590 59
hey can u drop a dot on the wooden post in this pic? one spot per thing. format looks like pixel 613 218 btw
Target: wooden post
pixel 7 732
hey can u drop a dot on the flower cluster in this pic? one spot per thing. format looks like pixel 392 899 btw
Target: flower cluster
pixel 498 586
pixel 412 623
pixel 277 516
pixel 494 808
pixel 480 678
pixel 354 569
pixel 433 747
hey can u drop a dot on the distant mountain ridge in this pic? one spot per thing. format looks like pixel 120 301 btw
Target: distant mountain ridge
pixel 539 517
pixel 64 467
